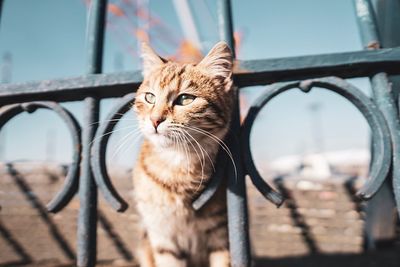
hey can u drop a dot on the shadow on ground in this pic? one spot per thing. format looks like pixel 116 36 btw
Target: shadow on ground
pixel 389 257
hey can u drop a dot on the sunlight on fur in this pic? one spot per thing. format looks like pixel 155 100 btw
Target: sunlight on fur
pixel 184 113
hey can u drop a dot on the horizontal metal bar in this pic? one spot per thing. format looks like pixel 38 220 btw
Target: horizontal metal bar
pixel 344 65
pixel 246 73
pixel 69 89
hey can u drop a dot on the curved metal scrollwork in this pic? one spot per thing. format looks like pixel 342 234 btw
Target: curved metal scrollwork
pixel 70 185
pixel 380 131
pixel 98 153
pixel 214 183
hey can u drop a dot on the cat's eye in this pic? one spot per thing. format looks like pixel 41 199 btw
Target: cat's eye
pixel 184 99
pixel 150 98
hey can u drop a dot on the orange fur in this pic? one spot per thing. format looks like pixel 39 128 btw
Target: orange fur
pixel 177 157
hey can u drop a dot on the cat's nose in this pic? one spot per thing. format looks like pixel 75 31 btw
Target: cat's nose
pixel 156 120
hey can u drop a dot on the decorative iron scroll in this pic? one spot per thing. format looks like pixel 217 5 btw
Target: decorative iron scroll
pixel 380 132
pixel 70 185
pixel 214 183
pixel 98 153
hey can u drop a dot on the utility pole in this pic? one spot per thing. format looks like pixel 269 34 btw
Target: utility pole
pixel 315 109
pixel 6 68
pixel 5 77
pixel 51 137
pixel 119 62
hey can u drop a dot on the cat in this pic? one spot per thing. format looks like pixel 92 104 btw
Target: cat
pixel 184 111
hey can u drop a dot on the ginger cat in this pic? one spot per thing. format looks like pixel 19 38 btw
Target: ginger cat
pixel 184 111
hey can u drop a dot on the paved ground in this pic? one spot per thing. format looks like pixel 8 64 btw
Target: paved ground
pixel 389 257
pixel 386 258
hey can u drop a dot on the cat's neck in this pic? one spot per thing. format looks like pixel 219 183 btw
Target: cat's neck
pixel 183 172
pixel 184 156
pixel 179 154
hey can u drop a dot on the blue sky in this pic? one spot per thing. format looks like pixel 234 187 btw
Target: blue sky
pixel 47 40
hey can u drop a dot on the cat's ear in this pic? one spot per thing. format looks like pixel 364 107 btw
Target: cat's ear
pixel 218 62
pixel 150 59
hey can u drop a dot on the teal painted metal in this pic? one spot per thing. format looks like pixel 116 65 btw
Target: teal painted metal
pixel 225 24
pixel 382 139
pixel 246 73
pixel 239 244
pixel 367 24
pixel 87 220
pixel 381 89
pixel 87 217
pixel 95 86
pixel 70 185
pixel 1 7
pixel 345 65
pixel 99 148
pixel 388 22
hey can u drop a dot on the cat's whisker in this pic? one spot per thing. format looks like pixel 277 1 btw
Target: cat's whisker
pixel 123 114
pixel 181 143
pixel 132 141
pixel 212 136
pixel 125 139
pixel 215 139
pixel 188 162
pixel 186 134
pixel 197 143
pixel 111 120
pixel 202 161
pixel 111 132
pixel 218 140
pixel 201 149
pixel 178 143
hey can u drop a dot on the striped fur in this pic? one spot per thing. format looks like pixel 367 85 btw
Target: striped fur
pixel 177 157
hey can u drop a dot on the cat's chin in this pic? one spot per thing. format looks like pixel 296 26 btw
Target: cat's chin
pixel 160 140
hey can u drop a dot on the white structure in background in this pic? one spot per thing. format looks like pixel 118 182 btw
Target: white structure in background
pixel 320 165
pixel 315 166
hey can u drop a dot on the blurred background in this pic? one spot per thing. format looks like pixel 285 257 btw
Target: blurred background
pixel 49 43
pixel 315 147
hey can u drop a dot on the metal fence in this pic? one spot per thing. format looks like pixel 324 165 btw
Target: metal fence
pixel 88 169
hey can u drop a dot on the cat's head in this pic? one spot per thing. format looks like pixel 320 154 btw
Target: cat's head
pixel 176 101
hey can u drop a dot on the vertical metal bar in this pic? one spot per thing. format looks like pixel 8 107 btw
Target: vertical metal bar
pixel 381 89
pixel 388 22
pixel 95 35
pixel 1 8
pixel 225 24
pixel 87 220
pixel 236 194
pixel 367 24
